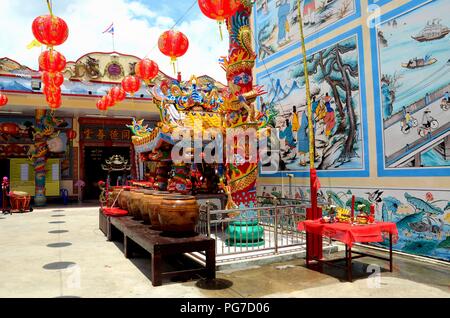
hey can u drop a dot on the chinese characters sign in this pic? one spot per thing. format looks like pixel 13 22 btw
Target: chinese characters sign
pixel 105 133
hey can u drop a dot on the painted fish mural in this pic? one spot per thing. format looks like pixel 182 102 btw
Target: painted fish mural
pixel 422 217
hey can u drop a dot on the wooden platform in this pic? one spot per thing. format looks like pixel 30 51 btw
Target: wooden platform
pixel 158 244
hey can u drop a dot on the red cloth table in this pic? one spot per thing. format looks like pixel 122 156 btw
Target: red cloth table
pixel 350 234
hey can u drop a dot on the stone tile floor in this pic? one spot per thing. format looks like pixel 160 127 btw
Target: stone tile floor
pixel 60 252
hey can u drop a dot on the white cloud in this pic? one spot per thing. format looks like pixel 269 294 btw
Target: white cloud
pixel 137 30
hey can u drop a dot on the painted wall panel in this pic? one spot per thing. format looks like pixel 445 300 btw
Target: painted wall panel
pixel 422 216
pixel 276 23
pixel 418 201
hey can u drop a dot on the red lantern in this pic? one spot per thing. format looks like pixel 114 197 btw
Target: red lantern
pixel 173 44
pixel 3 100
pixel 52 79
pixel 52 90
pixel 131 84
pixel 50 30
pixel 117 94
pixel 101 105
pixel 71 134
pixel 53 98
pixel 52 61
pixel 146 69
pixel 108 101
pixel 219 10
pixel 55 105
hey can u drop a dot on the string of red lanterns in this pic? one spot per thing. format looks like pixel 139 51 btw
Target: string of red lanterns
pixel 51 30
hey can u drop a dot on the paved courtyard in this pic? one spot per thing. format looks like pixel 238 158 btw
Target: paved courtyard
pixel 60 252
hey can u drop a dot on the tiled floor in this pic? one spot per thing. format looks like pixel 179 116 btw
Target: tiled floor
pixel 61 253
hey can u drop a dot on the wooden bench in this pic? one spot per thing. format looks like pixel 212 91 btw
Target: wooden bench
pixel 159 245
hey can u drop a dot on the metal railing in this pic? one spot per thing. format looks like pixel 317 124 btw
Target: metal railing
pixel 267 229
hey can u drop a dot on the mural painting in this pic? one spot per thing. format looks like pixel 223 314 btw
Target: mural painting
pixel 336 103
pixel 277 21
pixel 422 217
pixel 414 87
pixel 17 138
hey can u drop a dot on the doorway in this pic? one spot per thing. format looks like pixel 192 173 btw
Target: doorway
pixel 93 172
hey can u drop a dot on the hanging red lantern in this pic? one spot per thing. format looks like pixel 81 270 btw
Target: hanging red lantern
pixel 52 90
pixel 53 98
pixel 101 105
pixel 52 61
pixel 173 44
pixel 117 94
pixel 131 84
pixel 3 100
pixel 108 101
pixel 71 134
pixel 219 10
pixel 56 104
pixel 52 79
pixel 50 30
pixel 146 69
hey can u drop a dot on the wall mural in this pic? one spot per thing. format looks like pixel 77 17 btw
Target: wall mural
pixel 336 106
pixel 414 78
pixel 277 21
pixel 17 141
pixel 422 217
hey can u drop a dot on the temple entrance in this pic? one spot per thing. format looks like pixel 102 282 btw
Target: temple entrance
pixel 94 157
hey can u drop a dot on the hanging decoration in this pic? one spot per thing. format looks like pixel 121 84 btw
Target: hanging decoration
pixel 117 94
pixel 131 84
pixel 219 10
pixel 147 70
pixel 52 79
pixel 52 61
pixel 108 101
pixel 101 106
pixel 3 100
pixel 50 30
pixel 173 44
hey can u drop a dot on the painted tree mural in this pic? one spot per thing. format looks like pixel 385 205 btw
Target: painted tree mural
pixel 335 72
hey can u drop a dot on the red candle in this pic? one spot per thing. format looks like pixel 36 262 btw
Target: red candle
pixel 353 207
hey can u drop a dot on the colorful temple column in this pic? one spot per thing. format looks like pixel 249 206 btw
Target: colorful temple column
pixel 240 105
pixel 39 157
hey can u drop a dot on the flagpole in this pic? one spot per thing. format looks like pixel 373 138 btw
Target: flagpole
pixel 113 42
pixel 314 249
pixel 113 38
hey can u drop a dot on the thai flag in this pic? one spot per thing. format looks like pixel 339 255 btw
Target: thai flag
pixel 110 29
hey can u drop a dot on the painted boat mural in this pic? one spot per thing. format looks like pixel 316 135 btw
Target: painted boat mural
pixel 412 91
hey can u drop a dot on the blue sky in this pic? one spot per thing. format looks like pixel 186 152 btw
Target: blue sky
pixel 138 24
